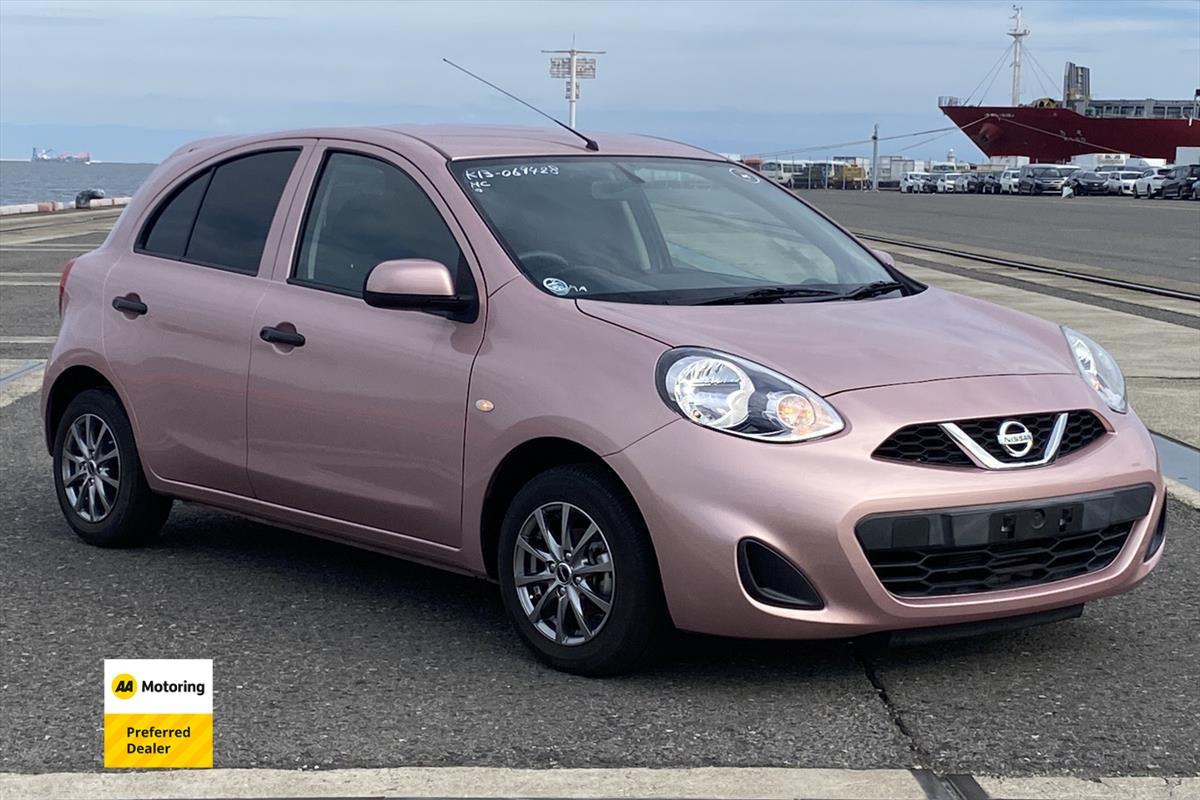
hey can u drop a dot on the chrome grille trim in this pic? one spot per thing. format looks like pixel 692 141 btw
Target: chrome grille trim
pixel 986 460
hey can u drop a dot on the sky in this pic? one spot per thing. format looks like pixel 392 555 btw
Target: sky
pixel 131 81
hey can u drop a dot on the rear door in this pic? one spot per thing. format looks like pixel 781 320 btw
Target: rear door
pixel 179 308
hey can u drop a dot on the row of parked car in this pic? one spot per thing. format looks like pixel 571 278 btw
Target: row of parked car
pixel 1173 181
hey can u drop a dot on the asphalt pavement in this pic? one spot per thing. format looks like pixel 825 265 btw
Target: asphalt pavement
pixel 329 657
pixel 326 656
pixel 1151 241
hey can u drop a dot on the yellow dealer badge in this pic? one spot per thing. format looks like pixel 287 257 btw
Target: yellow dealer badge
pixel 158 713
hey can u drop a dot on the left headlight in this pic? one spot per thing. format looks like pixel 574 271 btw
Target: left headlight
pixel 733 395
pixel 1099 369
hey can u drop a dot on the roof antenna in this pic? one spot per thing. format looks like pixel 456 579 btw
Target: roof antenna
pixel 591 143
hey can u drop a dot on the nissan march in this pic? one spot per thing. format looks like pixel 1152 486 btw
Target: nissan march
pixel 634 383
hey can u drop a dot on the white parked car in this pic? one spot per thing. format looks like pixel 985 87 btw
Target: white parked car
pixel 1122 182
pixel 946 181
pixel 912 181
pixel 1150 182
pixel 1008 181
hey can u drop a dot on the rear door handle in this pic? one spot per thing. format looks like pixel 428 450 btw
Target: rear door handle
pixel 128 306
pixel 281 336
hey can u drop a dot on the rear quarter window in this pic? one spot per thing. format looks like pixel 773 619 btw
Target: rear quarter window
pixel 221 217
pixel 235 217
pixel 168 231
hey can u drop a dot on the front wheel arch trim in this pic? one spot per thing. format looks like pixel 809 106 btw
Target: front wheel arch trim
pixel 520 465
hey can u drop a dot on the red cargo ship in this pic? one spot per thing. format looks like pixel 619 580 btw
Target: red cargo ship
pixel 1050 130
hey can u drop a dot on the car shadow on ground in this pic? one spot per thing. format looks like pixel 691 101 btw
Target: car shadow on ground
pixel 419 597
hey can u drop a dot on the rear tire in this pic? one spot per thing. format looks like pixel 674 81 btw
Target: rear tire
pixel 98 475
pixel 559 610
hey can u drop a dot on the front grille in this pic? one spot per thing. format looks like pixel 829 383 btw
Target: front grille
pixel 923 444
pixel 1083 428
pixel 927 443
pixel 934 571
pixel 984 432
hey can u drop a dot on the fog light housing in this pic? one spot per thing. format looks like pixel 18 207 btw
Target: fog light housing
pixel 770 578
pixel 1160 534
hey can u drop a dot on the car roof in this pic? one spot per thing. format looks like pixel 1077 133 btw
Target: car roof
pixel 482 141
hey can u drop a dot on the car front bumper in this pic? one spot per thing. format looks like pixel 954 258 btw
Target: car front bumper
pixel 702 492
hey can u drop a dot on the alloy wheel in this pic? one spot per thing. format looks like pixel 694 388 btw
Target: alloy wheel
pixel 564 573
pixel 91 468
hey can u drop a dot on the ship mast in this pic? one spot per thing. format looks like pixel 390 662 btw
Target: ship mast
pixel 1018 34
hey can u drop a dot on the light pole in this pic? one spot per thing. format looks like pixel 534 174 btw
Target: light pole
pixel 568 64
pixel 875 158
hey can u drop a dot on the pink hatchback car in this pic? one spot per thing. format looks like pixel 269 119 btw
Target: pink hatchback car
pixel 635 383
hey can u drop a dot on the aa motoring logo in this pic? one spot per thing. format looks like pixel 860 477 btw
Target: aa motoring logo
pixel 126 686
pixel 158 713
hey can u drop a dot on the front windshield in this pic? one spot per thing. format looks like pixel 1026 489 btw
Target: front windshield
pixel 656 230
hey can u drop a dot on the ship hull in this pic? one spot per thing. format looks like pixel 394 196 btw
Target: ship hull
pixel 1048 135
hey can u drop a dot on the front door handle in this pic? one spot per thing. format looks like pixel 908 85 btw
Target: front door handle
pixel 129 306
pixel 281 336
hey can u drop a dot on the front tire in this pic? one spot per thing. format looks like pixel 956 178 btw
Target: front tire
pixel 98 475
pixel 578 575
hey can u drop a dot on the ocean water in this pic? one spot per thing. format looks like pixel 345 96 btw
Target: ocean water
pixel 28 182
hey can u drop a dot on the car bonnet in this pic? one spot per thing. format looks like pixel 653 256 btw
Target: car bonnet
pixel 842 345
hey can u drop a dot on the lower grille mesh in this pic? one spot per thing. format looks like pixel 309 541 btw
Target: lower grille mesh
pixel 933 571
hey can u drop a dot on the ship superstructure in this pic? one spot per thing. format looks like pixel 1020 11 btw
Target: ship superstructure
pixel 1051 130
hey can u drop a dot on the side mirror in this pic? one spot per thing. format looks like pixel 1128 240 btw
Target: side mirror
pixel 419 284
pixel 884 256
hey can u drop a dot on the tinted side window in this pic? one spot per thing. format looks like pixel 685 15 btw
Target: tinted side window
pixel 235 216
pixel 167 233
pixel 365 211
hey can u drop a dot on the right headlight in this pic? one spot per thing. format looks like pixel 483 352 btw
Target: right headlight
pixel 733 395
pixel 1099 369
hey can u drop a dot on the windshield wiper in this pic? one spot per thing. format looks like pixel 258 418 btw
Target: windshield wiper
pixel 767 294
pixel 871 290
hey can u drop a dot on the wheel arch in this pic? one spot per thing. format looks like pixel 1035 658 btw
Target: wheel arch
pixel 518 467
pixel 68 385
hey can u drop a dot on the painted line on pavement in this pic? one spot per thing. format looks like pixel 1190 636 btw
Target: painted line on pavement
pixel 27 339
pixel 12 248
pixel 25 369
pixel 52 244
pixel 21 382
pixel 704 783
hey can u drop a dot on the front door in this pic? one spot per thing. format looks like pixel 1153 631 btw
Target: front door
pixel 364 421
pixel 178 312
